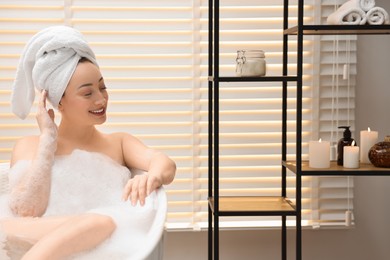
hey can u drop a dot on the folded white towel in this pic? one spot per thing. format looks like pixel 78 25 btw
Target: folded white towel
pixel 377 16
pixel 349 13
pixel 47 63
pixel 366 5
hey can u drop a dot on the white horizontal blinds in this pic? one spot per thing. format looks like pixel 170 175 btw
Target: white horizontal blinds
pixel 146 54
pixel 338 78
pixel 19 20
pixel 251 113
pixel 336 88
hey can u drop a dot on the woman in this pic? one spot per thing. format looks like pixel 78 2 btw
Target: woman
pixel 34 192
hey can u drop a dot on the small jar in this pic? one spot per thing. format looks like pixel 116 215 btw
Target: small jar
pixel 250 63
pixel 379 153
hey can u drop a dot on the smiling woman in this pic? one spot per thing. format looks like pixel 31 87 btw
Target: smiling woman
pixel 69 186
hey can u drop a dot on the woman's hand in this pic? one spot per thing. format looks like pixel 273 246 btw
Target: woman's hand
pixel 139 187
pixel 45 118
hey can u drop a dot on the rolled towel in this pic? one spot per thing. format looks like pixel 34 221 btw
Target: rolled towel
pixel 349 13
pixel 47 63
pixel 366 5
pixel 377 16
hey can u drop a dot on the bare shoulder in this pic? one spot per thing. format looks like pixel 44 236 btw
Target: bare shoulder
pixel 120 146
pixel 128 142
pixel 24 148
pixel 125 138
pixel 135 153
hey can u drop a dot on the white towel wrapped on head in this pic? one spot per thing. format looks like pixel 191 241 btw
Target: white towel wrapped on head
pixel 377 16
pixel 47 63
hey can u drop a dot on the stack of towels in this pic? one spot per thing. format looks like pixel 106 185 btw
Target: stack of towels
pixel 359 12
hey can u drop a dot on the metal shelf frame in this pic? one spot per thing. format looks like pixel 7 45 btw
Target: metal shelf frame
pixel 222 206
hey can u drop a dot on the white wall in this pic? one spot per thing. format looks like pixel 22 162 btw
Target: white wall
pixel 370 240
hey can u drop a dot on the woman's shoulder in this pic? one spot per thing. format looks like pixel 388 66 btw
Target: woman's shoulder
pixel 24 148
pixel 27 143
pixel 112 144
pixel 134 152
pixel 122 140
pixel 128 141
pixel 122 136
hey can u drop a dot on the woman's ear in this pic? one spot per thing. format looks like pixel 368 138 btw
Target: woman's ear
pixel 60 108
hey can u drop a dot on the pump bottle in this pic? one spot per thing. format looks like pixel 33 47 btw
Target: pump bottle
pixel 345 141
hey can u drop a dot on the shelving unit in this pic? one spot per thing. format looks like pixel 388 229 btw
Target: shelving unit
pixel 280 205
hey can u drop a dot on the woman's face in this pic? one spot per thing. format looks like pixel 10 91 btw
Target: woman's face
pixel 85 98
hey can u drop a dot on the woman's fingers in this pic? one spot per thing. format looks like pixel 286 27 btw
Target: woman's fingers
pixel 43 98
pixel 45 118
pixel 139 187
pixel 51 113
pixel 42 101
pixel 141 195
pixel 134 191
pixel 130 191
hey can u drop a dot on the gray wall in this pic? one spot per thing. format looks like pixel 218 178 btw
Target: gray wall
pixel 370 239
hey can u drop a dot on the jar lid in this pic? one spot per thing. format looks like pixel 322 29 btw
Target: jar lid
pixel 252 53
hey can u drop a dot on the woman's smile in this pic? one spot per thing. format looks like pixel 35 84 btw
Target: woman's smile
pixel 98 112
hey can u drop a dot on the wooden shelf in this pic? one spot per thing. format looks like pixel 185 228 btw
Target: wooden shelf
pixel 339 29
pixel 255 79
pixel 253 206
pixel 365 169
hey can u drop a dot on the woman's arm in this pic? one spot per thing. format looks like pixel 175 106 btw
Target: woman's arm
pixel 159 167
pixel 30 196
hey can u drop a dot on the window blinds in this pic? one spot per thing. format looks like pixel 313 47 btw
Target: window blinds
pixel 153 56
pixel 335 63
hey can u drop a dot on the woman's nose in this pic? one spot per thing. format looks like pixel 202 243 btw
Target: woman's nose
pixel 101 100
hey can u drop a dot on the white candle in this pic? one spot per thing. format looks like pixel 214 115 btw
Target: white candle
pixel 351 156
pixel 367 140
pixel 319 154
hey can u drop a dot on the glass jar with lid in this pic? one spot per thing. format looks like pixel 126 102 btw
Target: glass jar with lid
pixel 250 63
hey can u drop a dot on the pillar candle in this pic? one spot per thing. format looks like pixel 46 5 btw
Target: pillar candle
pixel 351 156
pixel 367 140
pixel 319 154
